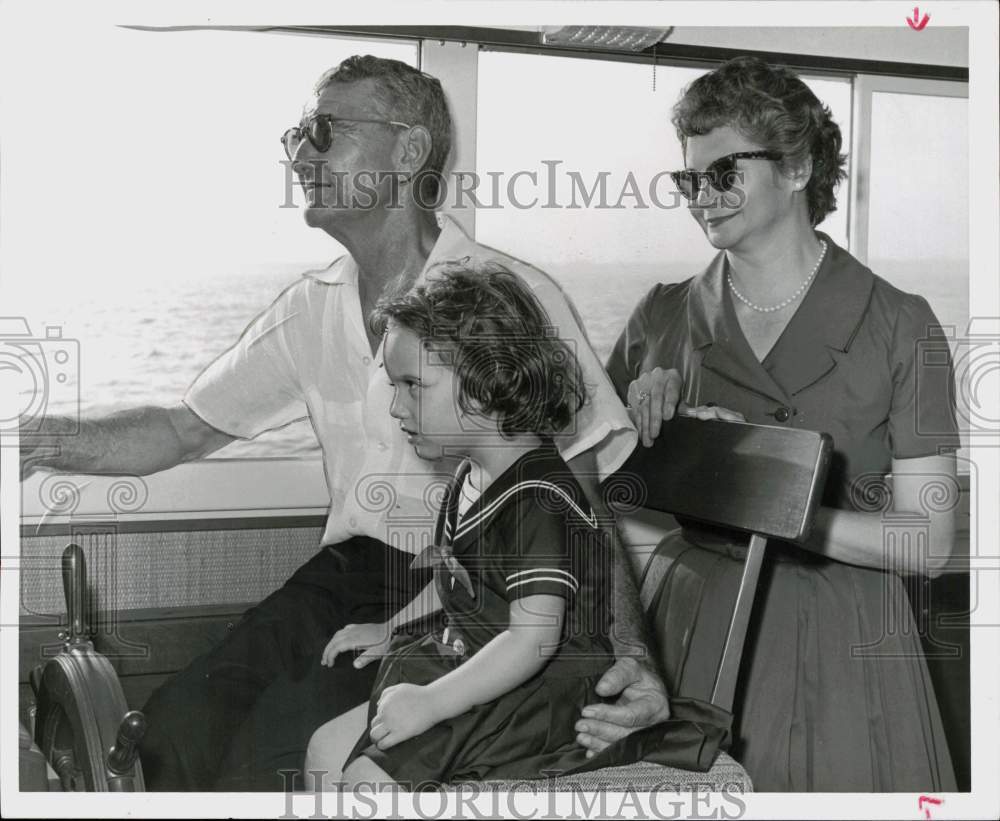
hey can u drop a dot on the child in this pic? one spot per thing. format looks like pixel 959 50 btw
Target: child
pixel 522 567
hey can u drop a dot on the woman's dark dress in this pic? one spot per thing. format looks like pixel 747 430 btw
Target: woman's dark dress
pixel 834 693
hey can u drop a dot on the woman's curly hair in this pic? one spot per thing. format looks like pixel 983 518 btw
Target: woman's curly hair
pixel 772 107
pixel 495 334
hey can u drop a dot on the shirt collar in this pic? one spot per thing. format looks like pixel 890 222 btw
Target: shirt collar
pixel 452 243
pixel 828 319
pixel 342 271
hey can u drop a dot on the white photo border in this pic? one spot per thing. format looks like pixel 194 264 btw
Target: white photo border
pixel 981 19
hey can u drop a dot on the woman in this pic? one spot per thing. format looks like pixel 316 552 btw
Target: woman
pixel 786 328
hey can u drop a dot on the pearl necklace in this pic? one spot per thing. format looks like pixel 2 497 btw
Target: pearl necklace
pixel 790 300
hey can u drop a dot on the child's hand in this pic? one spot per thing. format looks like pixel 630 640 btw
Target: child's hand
pixel 374 637
pixel 404 710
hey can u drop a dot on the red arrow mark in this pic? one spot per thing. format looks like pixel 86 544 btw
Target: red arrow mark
pixel 926 798
pixel 917 24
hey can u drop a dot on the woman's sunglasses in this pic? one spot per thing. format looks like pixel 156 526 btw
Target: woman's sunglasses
pixel 318 129
pixel 721 174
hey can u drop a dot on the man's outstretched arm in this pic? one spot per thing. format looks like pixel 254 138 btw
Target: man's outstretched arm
pixel 133 442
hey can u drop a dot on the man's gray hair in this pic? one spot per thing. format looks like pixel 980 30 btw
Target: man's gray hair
pixel 406 94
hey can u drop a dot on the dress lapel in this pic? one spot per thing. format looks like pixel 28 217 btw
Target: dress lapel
pixel 715 329
pixel 826 322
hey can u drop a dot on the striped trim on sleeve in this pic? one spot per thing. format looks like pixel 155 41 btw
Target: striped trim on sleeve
pixel 542 576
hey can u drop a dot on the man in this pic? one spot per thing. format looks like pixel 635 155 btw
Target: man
pixel 367 157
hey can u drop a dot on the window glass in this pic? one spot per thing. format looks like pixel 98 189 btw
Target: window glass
pixel 142 201
pixel 919 234
pixel 576 124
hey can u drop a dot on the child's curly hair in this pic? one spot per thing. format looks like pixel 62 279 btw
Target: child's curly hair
pixel 496 335
pixel 772 107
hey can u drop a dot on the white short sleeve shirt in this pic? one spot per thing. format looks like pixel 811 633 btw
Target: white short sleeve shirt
pixel 307 356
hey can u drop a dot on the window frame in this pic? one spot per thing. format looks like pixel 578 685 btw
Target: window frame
pixel 864 86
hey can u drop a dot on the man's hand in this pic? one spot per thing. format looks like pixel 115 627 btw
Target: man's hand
pixel 32 457
pixel 131 442
pixel 375 637
pixel 404 710
pixel 641 703
pixel 653 399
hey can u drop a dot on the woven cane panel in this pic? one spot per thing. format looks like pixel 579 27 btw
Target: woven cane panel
pixel 141 570
pixel 726 775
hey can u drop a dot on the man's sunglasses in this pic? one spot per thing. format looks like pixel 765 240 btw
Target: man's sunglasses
pixel 318 129
pixel 721 174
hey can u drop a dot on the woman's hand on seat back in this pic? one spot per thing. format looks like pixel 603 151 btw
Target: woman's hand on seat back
pixel 653 399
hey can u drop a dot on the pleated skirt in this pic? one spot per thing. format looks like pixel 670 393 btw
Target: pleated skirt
pixel 527 732
pixel 834 693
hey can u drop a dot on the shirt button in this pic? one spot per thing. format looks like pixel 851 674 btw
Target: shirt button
pixel 459 647
pixel 352 522
pixel 367 360
pixel 782 414
pixel 383 446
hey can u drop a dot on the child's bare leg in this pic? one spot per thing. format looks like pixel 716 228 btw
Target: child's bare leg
pixel 330 745
pixel 365 771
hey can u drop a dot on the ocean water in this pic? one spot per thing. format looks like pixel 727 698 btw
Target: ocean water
pixel 143 343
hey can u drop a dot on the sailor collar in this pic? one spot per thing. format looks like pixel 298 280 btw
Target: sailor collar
pixel 538 472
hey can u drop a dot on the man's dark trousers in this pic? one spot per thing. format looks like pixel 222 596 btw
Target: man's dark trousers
pixel 243 712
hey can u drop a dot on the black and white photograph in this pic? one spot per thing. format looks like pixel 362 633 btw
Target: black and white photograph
pixel 563 409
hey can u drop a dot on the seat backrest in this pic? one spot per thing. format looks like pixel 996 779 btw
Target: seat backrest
pixel 755 478
pixel 764 480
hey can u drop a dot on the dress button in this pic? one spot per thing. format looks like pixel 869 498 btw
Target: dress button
pixel 352 522
pixel 782 414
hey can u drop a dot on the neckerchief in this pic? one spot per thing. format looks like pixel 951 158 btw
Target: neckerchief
pixel 439 554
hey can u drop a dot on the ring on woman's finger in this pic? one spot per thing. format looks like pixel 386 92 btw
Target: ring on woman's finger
pixel 643 396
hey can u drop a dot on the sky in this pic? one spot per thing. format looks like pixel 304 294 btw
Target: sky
pixel 163 158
